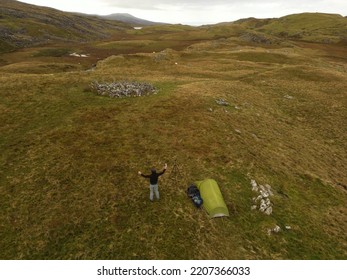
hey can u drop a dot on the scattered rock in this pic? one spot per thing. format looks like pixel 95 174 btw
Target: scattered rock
pixel 276 229
pixel 268 211
pixel 265 192
pixel 259 38
pixel 288 227
pixel 123 89
pixel 79 55
pixel 222 102
pixel 288 96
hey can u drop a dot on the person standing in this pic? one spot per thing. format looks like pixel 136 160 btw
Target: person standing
pixel 153 181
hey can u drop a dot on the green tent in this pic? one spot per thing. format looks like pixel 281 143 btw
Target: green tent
pixel 213 198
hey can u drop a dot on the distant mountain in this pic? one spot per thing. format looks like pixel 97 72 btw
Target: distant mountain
pixel 130 19
pixel 23 25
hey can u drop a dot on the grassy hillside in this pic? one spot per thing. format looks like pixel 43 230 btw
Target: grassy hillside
pixel 130 19
pixel 69 187
pixel 316 27
pixel 310 27
pixel 23 25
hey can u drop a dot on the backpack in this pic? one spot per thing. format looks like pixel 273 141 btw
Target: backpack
pixel 194 194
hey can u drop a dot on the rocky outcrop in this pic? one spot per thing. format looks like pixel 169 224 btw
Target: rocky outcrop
pixel 24 25
pixel 259 38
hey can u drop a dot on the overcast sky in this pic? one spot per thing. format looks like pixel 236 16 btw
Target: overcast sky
pixel 196 12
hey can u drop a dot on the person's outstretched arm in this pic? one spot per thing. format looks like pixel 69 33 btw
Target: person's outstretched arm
pixel 143 175
pixel 161 173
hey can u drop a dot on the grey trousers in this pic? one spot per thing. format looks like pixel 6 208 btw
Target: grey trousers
pixel 153 189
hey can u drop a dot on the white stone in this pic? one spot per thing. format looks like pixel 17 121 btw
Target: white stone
pixel 264 194
pixel 78 55
pixel 267 202
pixel 75 54
pixel 262 207
pixel 268 211
pixel 276 229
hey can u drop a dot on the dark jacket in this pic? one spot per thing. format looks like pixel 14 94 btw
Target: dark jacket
pixel 153 178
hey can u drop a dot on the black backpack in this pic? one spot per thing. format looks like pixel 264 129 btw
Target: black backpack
pixel 194 193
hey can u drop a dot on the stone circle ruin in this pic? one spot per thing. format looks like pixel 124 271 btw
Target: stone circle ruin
pixel 123 89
